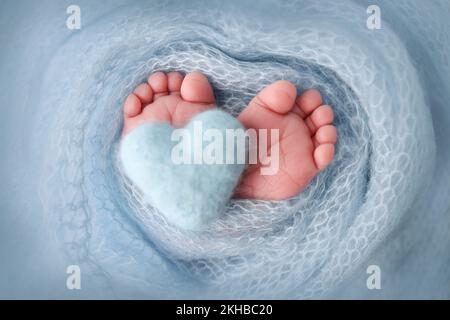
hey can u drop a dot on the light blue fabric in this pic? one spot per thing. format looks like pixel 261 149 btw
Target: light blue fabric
pixel 189 195
pixel 64 199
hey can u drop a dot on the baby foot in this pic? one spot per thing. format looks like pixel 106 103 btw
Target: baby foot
pixel 306 140
pixel 168 98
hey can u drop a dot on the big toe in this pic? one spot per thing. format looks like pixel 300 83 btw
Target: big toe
pixel 196 88
pixel 279 97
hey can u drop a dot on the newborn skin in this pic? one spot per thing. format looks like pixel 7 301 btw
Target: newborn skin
pixel 169 98
pixel 306 133
pixel 306 143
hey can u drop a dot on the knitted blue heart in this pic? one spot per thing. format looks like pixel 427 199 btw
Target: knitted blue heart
pixel 188 186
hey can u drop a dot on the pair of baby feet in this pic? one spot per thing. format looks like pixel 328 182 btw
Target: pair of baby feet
pixel 306 134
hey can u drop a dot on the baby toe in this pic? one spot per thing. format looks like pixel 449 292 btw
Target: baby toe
pixel 326 135
pixel 174 81
pixel 323 155
pixel 145 93
pixel 196 88
pixel 159 83
pixel 321 116
pixel 132 106
pixel 308 101
pixel 278 97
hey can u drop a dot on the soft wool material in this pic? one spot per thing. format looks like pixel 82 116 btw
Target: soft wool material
pixel 189 195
